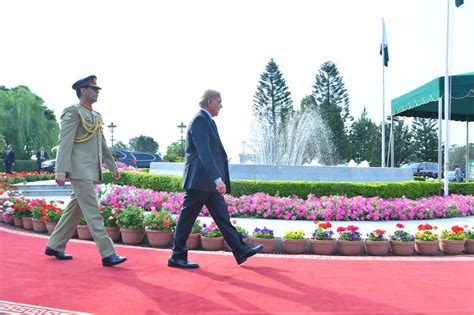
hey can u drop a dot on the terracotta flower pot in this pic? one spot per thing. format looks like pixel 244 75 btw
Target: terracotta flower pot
pixel 399 248
pixel 426 248
pixel 294 247
pixel 212 243
pixel 469 246
pixel 376 248
pixel 50 226
pixel 158 238
pixel 83 232
pixel 349 248
pixel 193 241
pixel 114 233
pixel 268 244
pixel 38 225
pixel 451 247
pixel 7 218
pixel 17 221
pixel 132 237
pixel 27 223
pixel 323 247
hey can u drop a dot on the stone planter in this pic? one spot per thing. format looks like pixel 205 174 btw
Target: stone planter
pixel 451 247
pixel 50 226
pixel 294 247
pixel 114 233
pixel 158 238
pixel 212 243
pixel 268 244
pixel 38 225
pixel 469 246
pixel 27 223
pixel 399 248
pixel 83 232
pixel 349 248
pixel 426 248
pixel 193 241
pixel 376 248
pixel 132 237
pixel 17 221
pixel 323 247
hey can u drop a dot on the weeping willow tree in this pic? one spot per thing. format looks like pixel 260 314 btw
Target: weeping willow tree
pixel 25 122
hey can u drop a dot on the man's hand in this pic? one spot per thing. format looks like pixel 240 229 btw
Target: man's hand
pixel 60 179
pixel 220 186
pixel 116 175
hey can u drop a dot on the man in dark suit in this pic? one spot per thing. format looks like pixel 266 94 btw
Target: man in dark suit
pixel 206 179
pixel 41 156
pixel 9 159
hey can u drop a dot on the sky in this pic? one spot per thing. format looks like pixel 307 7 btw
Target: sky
pixel 154 59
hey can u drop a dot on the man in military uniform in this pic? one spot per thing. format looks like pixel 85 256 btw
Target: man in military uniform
pixel 82 149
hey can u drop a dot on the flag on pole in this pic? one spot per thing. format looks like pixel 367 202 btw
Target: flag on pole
pixel 384 45
pixel 459 3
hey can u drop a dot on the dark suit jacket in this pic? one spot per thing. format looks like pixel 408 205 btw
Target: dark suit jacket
pixel 9 156
pixel 38 156
pixel 206 159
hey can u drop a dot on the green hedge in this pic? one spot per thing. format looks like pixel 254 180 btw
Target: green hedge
pixel 409 189
pixel 21 166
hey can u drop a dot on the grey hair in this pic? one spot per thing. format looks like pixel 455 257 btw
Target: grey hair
pixel 208 95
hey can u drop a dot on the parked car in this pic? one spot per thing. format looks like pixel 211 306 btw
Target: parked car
pixel 135 159
pixel 427 169
pixel 413 166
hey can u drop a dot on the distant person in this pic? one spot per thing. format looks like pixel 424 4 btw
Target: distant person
pixel 82 149
pixel 458 174
pixel 9 159
pixel 41 156
pixel 206 180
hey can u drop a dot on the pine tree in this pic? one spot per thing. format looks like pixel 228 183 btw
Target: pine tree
pixel 272 108
pixel 363 138
pixel 332 100
pixel 425 140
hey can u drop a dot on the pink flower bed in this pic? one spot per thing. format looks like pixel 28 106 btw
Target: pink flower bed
pixel 328 208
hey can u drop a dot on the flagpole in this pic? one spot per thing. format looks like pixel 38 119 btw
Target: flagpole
pixel 383 93
pixel 447 108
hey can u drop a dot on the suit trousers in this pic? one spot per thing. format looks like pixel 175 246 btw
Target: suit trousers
pixel 83 202
pixel 194 200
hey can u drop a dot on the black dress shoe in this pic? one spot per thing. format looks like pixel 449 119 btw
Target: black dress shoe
pixel 59 255
pixel 113 260
pixel 249 253
pixel 181 263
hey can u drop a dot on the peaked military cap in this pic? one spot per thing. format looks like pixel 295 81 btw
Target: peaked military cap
pixel 89 81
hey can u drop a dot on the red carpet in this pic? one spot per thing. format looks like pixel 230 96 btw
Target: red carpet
pixel 266 284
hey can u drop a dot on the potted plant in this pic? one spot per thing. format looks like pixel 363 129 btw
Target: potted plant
pixel 323 241
pixel 8 211
pixel 426 240
pixel 131 223
pixel 452 241
pixel 211 237
pixel 264 237
pixel 109 215
pixel 402 243
pixel 244 234
pixel 294 242
pixel 376 244
pixel 38 210
pixel 349 241
pixel 159 226
pixel 20 210
pixel 469 243
pixel 83 231
pixel 51 217
pixel 194 237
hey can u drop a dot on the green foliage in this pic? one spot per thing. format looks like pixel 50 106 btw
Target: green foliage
pixel 174 152
pixel 409 189
pixel 110 216
pixel 160 221
pixel 131 218
pixel 364 139
pixel 143 144
pixel 425 140
pixel 21 166
pixel 27 124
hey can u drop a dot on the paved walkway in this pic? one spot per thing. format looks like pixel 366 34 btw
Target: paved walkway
pixel 280 226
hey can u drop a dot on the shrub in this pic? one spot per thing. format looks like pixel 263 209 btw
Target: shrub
pixel 131 218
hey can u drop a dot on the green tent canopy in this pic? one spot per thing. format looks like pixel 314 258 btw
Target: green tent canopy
pixel 423 101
